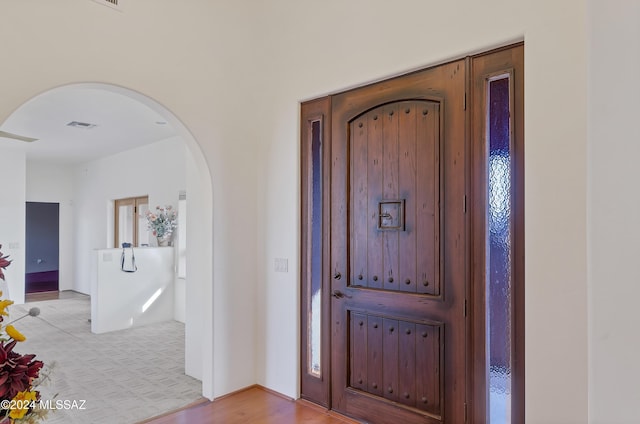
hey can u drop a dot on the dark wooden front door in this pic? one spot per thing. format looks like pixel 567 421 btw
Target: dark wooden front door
pixel 398 245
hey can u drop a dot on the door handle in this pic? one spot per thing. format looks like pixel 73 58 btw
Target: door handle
pixel 339 295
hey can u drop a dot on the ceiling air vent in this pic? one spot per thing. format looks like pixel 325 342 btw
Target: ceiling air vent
pixel 114 4
pixel 78 124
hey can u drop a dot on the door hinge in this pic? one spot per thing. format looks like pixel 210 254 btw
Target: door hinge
pixel 464 101
pixel 465 308
pixel 464 204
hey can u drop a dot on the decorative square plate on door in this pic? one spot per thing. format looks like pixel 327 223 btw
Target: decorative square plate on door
pixel 391 215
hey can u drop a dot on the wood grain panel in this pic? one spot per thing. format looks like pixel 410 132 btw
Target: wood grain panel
pixel 407 363
pixel 428 378
pixel 398 360
pixel 428 199
pixel 374 355
pixel 407 191
pixel 394 156
pixel 390 359
pixel 390 171
pixel 358 351
pixel 360 199
pixel 375 182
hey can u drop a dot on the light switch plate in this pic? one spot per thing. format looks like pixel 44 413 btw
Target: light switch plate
pixel 281 265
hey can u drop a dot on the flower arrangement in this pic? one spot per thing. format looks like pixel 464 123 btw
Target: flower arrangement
pixel 4 262
pixel 19 374
pixel 162 222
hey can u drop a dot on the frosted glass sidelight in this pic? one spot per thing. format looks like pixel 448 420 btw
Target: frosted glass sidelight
pixel 315 250
pixel 499 247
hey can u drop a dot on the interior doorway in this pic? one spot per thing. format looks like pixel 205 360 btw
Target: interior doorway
pixel 42 247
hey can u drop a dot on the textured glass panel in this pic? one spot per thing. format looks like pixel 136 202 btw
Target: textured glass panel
pixel 315 249
pixel 499 252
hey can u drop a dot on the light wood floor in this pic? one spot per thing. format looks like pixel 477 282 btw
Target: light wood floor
pixel 255 405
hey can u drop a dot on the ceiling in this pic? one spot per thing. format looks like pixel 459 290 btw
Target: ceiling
pixel 120 123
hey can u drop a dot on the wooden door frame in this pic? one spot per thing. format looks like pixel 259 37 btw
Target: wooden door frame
pixel 508 59
pixel 315 388
pixel 134 202
pixel 477 66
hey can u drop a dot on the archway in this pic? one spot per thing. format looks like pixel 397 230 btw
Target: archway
pixel 199 309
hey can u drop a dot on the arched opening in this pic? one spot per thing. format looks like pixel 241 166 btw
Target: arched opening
pixel 198 291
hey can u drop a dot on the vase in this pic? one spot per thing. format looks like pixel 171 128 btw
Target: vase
pixel 164 241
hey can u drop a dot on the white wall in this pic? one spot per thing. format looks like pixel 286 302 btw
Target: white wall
pixel 157 170
pixel 199 291
pixel 196 60
pixel 614 228
pixel 342 44
pixel 555 213
pixel 233 72
pixel 12 221
pixel 54 184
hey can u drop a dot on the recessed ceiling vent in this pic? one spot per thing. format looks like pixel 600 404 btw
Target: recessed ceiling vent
pixel 114 4
pixel 78 124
